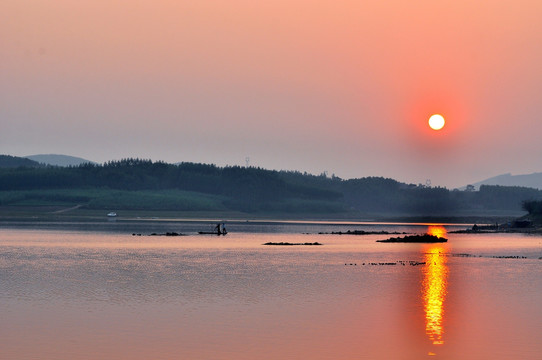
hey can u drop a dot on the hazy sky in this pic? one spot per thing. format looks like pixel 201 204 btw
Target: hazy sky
pixel 339 86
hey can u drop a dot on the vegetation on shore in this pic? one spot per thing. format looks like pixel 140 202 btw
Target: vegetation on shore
pixel 533 207
pixel 144 185
pixel 361 232
pixel 425 238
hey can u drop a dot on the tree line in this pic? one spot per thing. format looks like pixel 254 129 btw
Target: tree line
pixel 255 189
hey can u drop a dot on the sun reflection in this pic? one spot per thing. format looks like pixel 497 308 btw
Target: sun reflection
pixel 437 230
pixel 434 287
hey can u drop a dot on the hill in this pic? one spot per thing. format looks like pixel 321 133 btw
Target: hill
pixel 526 180
pixel 143 184
pixel 8 161
pixel 133 184
pixel 58 160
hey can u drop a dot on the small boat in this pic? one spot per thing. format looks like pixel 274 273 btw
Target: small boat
pixel 219 230
pixel 212 232
pixel 112 214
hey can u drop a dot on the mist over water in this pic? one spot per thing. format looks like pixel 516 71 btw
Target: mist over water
pixel 72 294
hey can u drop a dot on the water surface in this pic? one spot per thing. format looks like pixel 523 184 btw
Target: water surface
pixel 103 294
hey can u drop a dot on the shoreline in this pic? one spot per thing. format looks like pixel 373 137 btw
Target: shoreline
pixel 70 213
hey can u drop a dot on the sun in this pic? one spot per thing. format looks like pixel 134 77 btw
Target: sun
pixel 436 122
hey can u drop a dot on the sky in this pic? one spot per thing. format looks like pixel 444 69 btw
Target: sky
pixel 342 87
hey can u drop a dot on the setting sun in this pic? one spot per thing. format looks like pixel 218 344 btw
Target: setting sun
pixel 436 122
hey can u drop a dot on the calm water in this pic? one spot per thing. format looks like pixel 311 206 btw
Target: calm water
pixel 91 291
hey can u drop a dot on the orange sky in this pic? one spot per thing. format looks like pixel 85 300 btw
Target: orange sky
pixel 344 87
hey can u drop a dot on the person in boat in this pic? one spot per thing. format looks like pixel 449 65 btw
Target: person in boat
pixel 217 229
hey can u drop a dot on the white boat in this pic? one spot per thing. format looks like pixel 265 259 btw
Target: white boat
pixel 112 214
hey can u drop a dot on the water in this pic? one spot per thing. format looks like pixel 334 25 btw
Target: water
pixel 101 293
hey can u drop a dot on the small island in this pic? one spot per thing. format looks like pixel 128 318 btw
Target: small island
pixel 292 244
pixel 361 232
pixel 425 238
pixel 163 234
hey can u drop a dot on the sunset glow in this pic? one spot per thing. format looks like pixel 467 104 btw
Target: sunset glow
pixel 164 80
pixel 437 230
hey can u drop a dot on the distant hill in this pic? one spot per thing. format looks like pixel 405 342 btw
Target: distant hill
pixel 58 160
pixel 8 161
pixel 528 180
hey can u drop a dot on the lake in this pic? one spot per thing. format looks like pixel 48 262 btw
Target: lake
pixel 95 291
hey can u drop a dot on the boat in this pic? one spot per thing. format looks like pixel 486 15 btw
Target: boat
pixel 224 232
pixel 220 229
pixel 112 214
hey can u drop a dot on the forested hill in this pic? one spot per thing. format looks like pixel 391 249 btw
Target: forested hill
pixel 58 160
pixel 135 183
pixel 7 161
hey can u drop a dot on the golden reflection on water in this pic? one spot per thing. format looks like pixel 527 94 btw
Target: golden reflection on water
pixel 437 230
pixel 434 287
